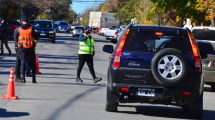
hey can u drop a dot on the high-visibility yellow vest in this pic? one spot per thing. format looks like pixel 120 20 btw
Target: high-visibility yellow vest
pixel 86 46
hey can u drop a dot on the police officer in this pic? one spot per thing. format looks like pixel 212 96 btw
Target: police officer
pixel 85 54
pixel 24 37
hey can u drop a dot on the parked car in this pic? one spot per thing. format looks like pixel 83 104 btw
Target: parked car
pixel 13 24
pixel 77 30
pixel 205 37
pixel 157 65
pixel 61 26
pixel 96 30
pixel 88 28
pixel 102 31
pixel 112 34
pixel 45 29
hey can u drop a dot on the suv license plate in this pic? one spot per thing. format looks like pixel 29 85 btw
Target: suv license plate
pixel 42 34
pixel 146 92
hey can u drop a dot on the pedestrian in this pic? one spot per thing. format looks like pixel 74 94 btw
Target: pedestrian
pixel 85 54
pixel 24 37
pixel 5 35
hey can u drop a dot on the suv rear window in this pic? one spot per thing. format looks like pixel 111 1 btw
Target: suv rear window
pixel 148 39
pixel 63 23
pixel 43 24
pixel 204 34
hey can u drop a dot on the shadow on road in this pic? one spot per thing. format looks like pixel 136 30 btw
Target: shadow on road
pixel 6 114
pixel 166 112
pixel 57 112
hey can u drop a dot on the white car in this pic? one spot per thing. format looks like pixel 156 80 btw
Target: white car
pixel 205 37
pixel 102 31
pixel 77 31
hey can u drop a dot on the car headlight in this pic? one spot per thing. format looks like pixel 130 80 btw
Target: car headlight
pixel 51 31
pixel 36 30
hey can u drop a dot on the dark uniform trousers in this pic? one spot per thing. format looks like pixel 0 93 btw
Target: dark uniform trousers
pixel 85 58
pixel 18 63
pixel 28 56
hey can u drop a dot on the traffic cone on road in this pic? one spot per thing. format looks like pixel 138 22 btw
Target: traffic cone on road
pixel 11 87
pixel 37 65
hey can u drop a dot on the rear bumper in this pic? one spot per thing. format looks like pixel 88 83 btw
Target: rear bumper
pixel 174 96
pixel 111 37
pixel 209 76
pixel 47 35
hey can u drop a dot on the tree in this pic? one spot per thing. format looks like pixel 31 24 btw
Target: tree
pixel 180 9
pixel 208 6
pixel 52 9
pixel 126 10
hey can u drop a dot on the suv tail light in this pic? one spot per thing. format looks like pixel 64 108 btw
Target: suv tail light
pixel 197 59
pixel 116 33
pixel 116 61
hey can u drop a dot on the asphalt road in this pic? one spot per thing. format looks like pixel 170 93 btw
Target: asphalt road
pixel 57 96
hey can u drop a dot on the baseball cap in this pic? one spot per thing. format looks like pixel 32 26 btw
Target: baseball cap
pixel 24 18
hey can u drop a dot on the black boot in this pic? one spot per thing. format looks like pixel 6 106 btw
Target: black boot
pixel 34 79
pixel 23 79
pixel 18 78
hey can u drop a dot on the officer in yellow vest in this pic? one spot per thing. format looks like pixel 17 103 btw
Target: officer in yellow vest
pixel 24 37
pixel 85 54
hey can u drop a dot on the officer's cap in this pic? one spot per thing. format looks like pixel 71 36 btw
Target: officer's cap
pixel 24 18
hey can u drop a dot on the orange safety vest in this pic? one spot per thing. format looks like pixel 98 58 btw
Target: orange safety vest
pixel 25 37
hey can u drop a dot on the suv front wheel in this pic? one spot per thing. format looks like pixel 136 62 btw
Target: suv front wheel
pixel 169 67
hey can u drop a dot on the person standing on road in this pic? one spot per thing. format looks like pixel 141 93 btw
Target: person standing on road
pixel 24 37
pixel 85 54
pixel 5 35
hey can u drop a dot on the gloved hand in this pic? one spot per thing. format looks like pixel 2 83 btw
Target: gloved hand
pixel 89 36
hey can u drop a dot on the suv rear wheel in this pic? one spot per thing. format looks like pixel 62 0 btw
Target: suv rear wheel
pixel 169 67
pixel 111 101
pixel 195 108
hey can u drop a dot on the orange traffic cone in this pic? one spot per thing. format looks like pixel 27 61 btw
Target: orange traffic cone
pixel 37 65
pixel 10 88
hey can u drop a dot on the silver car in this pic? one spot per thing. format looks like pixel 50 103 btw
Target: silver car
pixel 77 31
pixel 205 37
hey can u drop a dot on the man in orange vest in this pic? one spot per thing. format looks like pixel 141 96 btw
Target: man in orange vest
pixel 24 37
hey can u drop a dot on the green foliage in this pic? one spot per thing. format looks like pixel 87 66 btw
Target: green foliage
pixel 126 11
pixel 46 9
pixel 182 9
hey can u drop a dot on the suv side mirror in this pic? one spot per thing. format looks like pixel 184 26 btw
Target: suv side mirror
pixel 108 48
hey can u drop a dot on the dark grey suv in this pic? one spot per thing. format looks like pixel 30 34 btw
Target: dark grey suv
pixel 158 65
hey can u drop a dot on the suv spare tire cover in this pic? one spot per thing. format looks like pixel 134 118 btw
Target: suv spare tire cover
pixel 169 67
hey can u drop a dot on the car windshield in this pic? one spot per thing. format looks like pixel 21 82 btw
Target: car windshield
pixel 79 28
pixel 204 34
pixel 43 24
pixel 63 23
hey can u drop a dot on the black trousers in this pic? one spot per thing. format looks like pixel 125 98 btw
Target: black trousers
pixel 4 42
pixel 18 63
pixel 28 56
pixel 85 58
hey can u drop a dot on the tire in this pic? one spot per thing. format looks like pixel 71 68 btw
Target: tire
pixel 169 67
pixel 53 40
pixel 113 41
pixel 213 88
pixel 111 101
pixel 195 108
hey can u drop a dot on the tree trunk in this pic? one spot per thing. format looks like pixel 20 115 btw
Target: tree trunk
pixel 212 23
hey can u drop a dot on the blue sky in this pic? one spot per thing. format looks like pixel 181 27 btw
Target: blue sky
pixel 80 5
